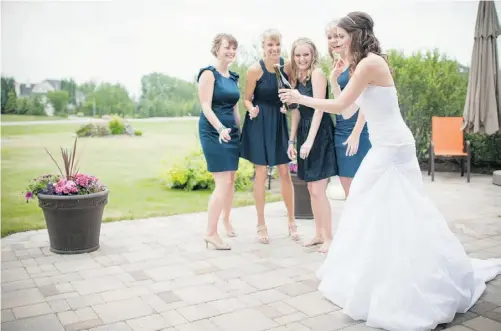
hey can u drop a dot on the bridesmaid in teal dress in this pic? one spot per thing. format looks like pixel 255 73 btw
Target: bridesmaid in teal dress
pixel 219 131
pixel 315 138
pixel 265 134
pixel 351 135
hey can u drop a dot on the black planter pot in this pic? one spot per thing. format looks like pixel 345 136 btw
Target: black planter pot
pixel 302 201
pixel 73 222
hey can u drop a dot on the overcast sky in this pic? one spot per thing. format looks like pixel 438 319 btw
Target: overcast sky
pixel 122 40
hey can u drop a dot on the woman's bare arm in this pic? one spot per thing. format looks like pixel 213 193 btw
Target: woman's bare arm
pixel 205 90
pixel 253 74
pixel 361 78
pixel 336 91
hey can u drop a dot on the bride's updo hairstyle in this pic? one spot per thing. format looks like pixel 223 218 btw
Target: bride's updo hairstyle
pixel 360 27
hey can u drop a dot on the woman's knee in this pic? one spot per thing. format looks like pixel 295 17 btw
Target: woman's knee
pixel 233 177
pixel 224 182
pixel 261 174
pixel 283 171
pixel 317 189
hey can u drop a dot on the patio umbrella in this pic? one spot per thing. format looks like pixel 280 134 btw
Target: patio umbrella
pixel 482 110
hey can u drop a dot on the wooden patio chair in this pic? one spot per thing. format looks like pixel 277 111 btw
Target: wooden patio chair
pixel 447 140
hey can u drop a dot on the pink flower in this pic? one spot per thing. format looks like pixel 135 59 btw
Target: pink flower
pixel 66 186
pixel 60 185
pixel 71 187
pixel 84 180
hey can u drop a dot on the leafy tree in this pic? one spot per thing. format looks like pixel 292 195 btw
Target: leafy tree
pixel 23 106
pixel 162 95
pixel 11 105
pixel 59 101
pixel 35 106
pixel 108 99
pixel 70 86
pixel 8 86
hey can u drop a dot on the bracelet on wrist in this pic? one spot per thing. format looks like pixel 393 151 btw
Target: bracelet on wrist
pixel 291 142
pixel 221 128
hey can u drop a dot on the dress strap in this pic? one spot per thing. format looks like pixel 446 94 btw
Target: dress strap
pixel 234 76
pixel 211 68
pixel 261 63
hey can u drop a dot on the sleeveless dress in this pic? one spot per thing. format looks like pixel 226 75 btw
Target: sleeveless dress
pixel 221 156
pixel 393 261
pixel 348 165
pixel 321 162
pixel 264 139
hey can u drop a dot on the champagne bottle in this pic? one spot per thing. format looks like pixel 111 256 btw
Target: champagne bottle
pixel 284 84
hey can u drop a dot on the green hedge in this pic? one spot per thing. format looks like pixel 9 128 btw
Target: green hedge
pixel 430 84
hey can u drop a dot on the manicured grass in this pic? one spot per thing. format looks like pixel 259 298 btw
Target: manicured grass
pixel 23 118
pixel 34 130
pixel 129 166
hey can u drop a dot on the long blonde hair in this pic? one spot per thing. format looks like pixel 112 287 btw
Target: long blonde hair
pixel 314 60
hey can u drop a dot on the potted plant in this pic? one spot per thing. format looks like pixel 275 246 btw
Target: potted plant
pixel 302 200
pixel 72 204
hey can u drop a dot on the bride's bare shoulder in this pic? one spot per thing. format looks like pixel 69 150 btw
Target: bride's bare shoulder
pixel 376 68
pixel 373 61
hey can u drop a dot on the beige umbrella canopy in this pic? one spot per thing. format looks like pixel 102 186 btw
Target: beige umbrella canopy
pixel 482 110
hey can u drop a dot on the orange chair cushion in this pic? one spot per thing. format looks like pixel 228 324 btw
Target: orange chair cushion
pixel 447 136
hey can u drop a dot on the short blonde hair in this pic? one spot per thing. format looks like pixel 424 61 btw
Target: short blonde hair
pixel 218 40
pixel 272 34
pixel 328 29
pixel 331 25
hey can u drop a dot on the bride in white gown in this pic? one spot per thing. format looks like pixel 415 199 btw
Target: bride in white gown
pixel 394 261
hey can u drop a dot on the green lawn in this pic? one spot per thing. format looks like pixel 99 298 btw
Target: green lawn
pixel 23 118
pixel 129 166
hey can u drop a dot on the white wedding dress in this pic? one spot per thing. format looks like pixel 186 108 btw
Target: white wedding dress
pixel 394 262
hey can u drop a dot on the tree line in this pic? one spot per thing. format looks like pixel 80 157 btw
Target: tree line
pixel 424 80
pixel 428 84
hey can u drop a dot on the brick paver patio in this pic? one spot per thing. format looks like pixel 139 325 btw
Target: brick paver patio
pixel 156 274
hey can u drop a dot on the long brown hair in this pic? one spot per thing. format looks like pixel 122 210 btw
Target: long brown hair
pixel 360 27
pixel 314 60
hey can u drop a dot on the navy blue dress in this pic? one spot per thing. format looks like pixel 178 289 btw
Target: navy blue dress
pixel 265 138
pixel 221 156
pixel 321 162
pixel 348 165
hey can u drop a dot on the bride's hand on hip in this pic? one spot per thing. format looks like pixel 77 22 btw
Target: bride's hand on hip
pixel 289 96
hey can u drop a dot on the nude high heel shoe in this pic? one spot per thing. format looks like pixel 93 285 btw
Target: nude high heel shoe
pixel 293 232
pixel 217 245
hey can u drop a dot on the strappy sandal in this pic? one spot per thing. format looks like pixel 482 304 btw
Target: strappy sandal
pixel 324 249
pixel 230 231
pixel 293 232
pixel 317 240
pixel 263 239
